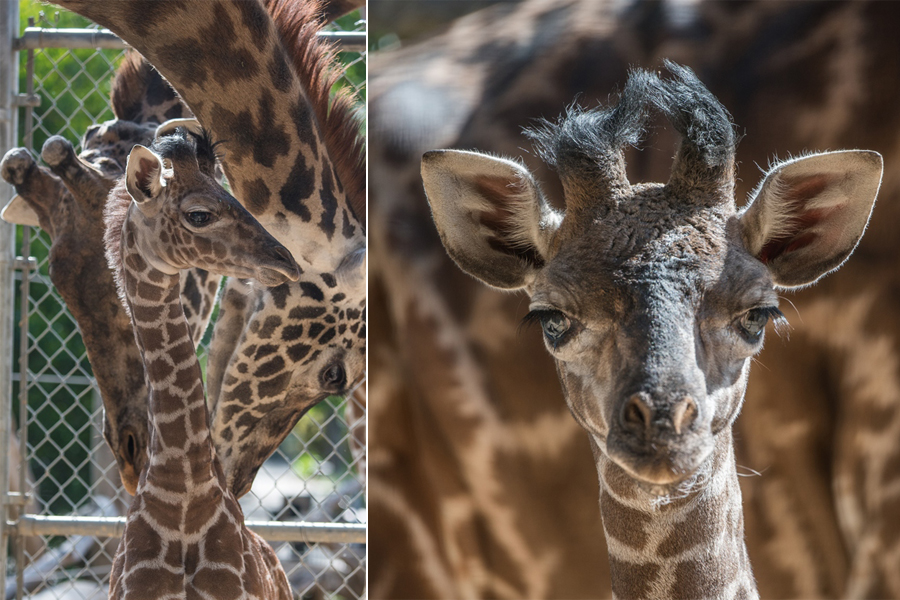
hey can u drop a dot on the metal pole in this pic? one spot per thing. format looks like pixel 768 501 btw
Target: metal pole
pixel 9 27
pixel 277 531
pixel 38 37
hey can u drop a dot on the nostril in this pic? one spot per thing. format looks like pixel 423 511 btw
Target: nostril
pixel 636 414
pixel 282 253
pixel 684 413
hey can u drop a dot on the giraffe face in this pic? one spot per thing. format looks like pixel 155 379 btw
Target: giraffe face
pixel 196 222
pixel 652 298
pixel 303 344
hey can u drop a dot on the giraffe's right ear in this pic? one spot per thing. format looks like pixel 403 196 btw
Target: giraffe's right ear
pixel 491 216
pixel 144 175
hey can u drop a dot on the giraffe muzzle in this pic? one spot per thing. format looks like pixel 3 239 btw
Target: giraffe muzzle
pixel 280 268
pixel 659 442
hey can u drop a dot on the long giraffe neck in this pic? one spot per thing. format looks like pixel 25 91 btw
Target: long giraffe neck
pixel 178 416
pixel 230 67
pixel 688 547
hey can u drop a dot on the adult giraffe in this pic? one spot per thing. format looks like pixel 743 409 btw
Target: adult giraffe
pixel 821 520
pixel 293 157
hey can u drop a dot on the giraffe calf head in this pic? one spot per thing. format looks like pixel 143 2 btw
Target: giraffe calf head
pixel 194 221
pixel 652 298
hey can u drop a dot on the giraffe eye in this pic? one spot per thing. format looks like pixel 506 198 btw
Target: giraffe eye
pixel 554 323
pixel 199 218
pixel 753 322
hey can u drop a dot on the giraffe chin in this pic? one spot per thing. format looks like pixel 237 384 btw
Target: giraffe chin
pixel 663 471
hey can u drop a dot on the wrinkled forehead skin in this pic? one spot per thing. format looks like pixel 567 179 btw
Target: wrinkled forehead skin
pixel 654 282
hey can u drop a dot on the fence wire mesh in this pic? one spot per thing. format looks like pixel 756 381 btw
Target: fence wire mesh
pixel 69 469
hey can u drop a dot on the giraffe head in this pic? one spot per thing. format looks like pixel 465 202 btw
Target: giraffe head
pixel 186 219
pixel 652 297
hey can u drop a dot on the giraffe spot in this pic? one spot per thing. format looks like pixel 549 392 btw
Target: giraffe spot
pixel 330 319
pixel 152 339
pixel 280 72
pixel 312 357
pixel 254 326
pixel 265 350
pixel 256 22
pixel 219 250
pixel 270 368
pixel 198 508
pixel 135 262
pixel 362 332
pixel 154 583
pixel 160 511
pixel 304 121
pixel 348 230
pixel 243 394
pixel 249 350
pixel 291 332
pixel 298 351
pixel 338 297
pixel 626 525
pixel 280 295
pixel 173 556
pixel 174 435
pixel 699 525
pixel 327 336
pixel 256 196
pixel 269 327
pixel 306 312
pixel 159 369
pixel 631 580
pixel 274 386
pixel 174 112
pixel 226 435
pixel 314 330
pixel 312 290
pixel 354 327
pixel 191 559
pixel 229 379
pixel 242 368
pixel 329 204
pixel 142 17
pixel 342 328
pixel 298 187
pixel 188 379
pixel 353 314
pixel 703 578
pixel 275 142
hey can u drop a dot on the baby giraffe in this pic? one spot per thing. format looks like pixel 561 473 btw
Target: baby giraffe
pixel 185 535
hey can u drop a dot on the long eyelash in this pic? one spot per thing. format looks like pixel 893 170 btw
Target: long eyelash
pixel 782 327
pixel 533 316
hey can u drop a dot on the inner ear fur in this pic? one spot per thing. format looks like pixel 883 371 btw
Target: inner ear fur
pixel 143 174
pixel 490 214
pixel 808 214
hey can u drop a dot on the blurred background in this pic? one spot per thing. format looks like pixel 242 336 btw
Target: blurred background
pixel 480 482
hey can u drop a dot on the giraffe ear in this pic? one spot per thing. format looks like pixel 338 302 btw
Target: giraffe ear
pixel 491 216
pixel 144 177
pixel 809 213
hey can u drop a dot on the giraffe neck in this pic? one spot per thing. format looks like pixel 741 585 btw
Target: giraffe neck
pixel 178 417
pixel 687 547
pixel 229 65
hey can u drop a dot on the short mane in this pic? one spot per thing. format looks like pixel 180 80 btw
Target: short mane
pixel 316 64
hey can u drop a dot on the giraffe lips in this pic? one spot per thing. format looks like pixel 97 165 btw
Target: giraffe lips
pixel 281 268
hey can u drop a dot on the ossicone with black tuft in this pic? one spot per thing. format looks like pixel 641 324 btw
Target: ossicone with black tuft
pixel 587 147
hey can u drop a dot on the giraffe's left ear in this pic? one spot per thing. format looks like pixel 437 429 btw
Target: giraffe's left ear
pixel 144 178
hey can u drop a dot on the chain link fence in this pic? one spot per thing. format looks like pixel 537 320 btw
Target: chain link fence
pixel 58 456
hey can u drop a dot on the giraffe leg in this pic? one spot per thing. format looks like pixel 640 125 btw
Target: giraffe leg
pixel 40 189
pixel 85 182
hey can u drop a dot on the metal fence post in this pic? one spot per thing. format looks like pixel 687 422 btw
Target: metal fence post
pixel 9 26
